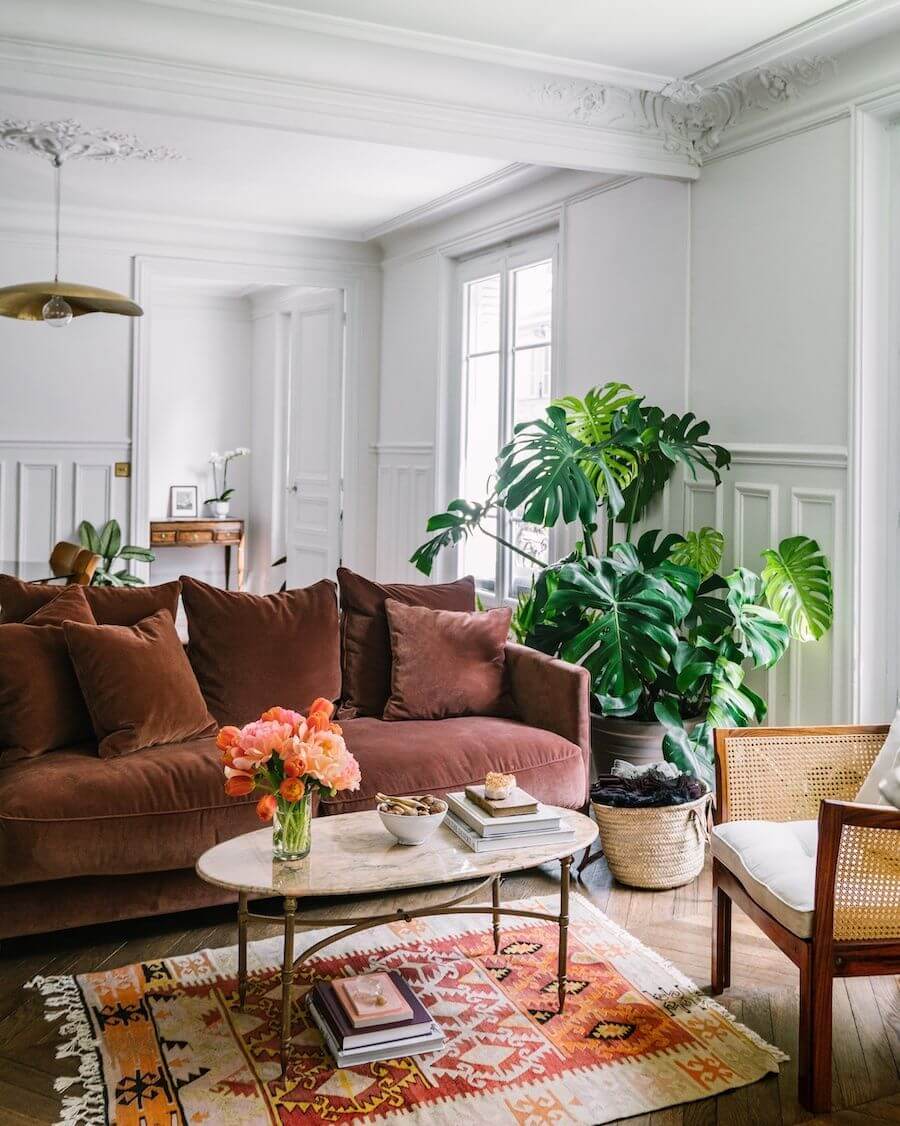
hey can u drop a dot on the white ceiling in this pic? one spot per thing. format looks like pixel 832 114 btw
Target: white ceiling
pixel 668 38
pixel 238 174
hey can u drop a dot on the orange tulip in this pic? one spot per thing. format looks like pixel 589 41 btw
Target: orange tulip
pixel 228 737
pixel 335 729
pixel 292 789
pixel 318 721
pixel 239 786
pixel 320 704
pixel 292 767
pixel 265 807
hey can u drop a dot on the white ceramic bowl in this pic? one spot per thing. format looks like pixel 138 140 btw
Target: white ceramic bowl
pixel 411 830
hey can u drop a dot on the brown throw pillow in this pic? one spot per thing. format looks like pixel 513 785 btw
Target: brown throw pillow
pixel 251 652
pixel 365 643
pixel 41 707
pixel 446 663
pixel 110 605
pixel 138 685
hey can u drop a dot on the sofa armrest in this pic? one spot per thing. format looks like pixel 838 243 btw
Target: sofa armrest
pixel 553 695
pixel 858 872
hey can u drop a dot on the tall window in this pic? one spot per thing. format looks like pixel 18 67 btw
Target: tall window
pixel 507 349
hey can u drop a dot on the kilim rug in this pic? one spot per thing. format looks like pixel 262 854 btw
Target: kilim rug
pixel 164 1044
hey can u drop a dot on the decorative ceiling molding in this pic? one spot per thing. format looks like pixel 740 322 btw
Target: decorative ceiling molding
pixel 59 141
pixel 688 118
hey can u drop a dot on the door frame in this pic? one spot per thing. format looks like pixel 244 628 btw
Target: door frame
pixel 361 283
pixel 874 494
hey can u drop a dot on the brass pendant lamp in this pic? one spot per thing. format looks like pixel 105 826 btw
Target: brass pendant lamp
pixel 57 302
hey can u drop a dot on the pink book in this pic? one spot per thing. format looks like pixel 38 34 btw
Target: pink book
pixel 371 999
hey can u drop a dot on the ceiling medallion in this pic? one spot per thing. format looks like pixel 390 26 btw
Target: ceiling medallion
pixel 689 118
pixel 56 302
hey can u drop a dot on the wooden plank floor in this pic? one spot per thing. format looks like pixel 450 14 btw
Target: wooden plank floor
pixel 676 923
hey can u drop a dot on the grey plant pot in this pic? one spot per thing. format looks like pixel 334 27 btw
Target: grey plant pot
pixel 630 740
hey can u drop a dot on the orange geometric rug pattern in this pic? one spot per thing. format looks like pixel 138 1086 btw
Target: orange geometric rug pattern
pixel 165 1044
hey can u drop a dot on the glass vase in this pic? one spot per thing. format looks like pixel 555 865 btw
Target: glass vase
pixel 291 828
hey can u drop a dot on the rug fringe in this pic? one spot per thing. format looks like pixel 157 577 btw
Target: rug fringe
pixel 63 999
pixel 684 982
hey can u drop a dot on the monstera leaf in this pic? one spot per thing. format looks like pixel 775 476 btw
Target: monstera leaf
pixel 678 584
pixel 666 441
pixel 540 471
pixel 797 583
pixel 690 751
pixel 462 518
pixel 591 420
pixel 630 636
pixel 701 550
pixel 759 633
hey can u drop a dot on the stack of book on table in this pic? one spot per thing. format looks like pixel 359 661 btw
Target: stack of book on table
pixel 372 1017
pixel 517 821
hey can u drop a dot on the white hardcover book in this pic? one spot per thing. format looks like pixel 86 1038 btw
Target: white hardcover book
pixel 499 844
pixel 486 826
pixel 395 1049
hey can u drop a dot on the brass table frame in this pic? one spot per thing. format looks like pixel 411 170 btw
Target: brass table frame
pixel 352 926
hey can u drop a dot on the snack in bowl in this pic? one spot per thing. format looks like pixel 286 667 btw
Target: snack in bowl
pixel 411 820
pixel 498 786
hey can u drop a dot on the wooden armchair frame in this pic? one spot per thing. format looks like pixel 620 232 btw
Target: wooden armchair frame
pixel 800 773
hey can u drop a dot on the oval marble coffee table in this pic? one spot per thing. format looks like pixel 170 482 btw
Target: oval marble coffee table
pixel 353 854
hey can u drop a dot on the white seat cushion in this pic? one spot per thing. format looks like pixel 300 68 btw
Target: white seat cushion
pixel 776 863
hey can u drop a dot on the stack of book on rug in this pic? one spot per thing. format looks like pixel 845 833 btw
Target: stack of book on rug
pixel 372 1017
pixel 517 820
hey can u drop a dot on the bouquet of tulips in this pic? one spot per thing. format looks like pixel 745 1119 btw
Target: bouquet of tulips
pixel 288 756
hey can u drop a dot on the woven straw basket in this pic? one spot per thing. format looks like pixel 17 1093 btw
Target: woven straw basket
pixel 655 848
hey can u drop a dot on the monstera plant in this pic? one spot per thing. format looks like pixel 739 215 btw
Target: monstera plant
pixel 664 635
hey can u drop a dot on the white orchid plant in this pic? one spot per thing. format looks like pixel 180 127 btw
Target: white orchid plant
pixel 221 462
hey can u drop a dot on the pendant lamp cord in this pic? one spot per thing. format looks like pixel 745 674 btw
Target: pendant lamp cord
pixel 57 164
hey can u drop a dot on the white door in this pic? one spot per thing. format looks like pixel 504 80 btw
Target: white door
pixel 314 440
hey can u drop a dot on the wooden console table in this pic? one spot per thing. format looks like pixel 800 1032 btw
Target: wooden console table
pixel 225 533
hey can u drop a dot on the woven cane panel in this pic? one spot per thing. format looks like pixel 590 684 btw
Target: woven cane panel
pixel 785 777
pixel 867 884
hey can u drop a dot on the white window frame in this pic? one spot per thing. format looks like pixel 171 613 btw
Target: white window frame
pixel 500 260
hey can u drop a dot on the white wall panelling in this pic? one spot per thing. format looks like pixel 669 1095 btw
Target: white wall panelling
pixel 405 501
pixel 47 488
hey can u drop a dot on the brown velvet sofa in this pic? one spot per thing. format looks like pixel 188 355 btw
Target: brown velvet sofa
pixel 85 839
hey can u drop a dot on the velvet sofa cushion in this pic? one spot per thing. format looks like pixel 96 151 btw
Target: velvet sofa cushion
pixel 110 605
pixel 251 652
pixel 436 756
pixel 365 640
pixel 41 705
pixel 73 814
pixel 138 685
pixel 445 663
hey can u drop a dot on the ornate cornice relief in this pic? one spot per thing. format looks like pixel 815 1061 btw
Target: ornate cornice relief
pixel 689 119
pixel 59 141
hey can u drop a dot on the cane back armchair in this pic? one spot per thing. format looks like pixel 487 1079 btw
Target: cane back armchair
pixel 843 918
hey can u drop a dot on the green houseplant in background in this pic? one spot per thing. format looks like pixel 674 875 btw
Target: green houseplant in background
pixel 667 639
pixel 107 543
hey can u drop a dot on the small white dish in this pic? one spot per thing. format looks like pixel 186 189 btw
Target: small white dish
pixel 411 830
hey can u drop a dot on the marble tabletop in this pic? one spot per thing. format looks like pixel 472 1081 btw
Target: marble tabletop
pixel 353 854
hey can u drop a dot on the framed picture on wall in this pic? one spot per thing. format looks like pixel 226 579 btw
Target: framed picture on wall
pixel 183 501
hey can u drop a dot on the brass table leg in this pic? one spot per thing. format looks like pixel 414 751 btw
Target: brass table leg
pixel 242 948
pixel 495 902
pixel 287 978
pixel 564 866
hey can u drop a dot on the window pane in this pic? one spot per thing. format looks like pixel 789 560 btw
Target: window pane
pixel 532 383
pixel 484 315
pixel 536 541
pixel 533 303
pixel 479 558
pixel 482 424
